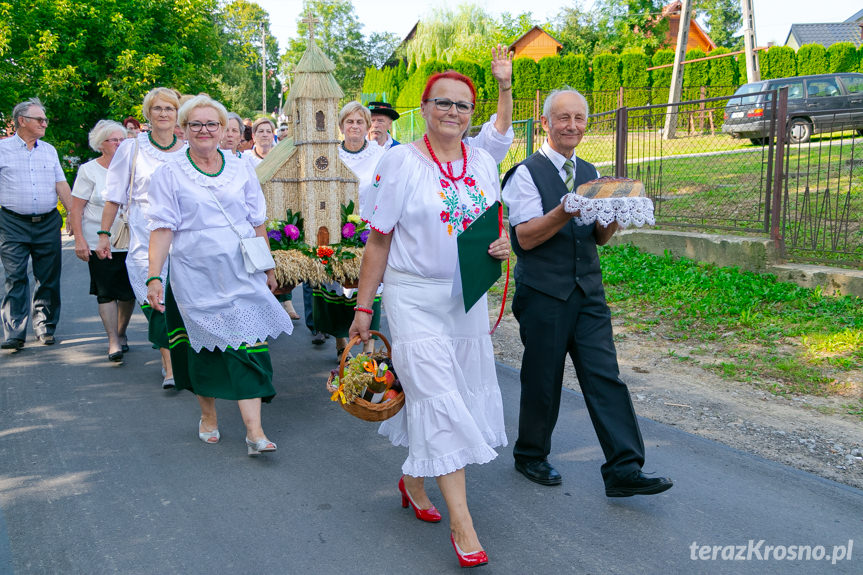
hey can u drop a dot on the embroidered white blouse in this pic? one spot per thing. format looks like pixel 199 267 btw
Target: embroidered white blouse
pixel 426 212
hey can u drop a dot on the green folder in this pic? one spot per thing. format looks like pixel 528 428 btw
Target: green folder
pixel 478 270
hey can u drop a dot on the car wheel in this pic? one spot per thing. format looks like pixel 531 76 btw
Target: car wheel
pixel 759 141
pixel 799 130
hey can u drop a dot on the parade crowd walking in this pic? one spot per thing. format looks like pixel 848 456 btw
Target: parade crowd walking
pixel 160 215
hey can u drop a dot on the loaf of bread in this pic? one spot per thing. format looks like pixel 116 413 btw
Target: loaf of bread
pixel 611 188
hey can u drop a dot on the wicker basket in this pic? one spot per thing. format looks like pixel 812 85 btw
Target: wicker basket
pixel 360 407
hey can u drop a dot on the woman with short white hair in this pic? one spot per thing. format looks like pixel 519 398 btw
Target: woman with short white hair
pixel 109 280
pixel 141 156
pixel 219 315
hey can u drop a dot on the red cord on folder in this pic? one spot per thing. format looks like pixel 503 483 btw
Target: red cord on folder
pixel 501 230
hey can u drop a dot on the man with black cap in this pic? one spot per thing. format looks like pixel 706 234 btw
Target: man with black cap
pixel 382 120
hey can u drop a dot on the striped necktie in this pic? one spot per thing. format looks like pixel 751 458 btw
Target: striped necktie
pixel 567 167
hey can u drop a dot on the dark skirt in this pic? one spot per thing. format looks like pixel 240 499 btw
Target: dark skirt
pixel 333 313
pixel 244 373
pixel 109 280
pixel 157 328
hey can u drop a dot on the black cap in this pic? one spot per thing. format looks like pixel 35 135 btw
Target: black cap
pixel 384 109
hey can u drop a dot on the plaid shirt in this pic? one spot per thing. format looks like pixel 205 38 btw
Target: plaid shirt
pixel 28 178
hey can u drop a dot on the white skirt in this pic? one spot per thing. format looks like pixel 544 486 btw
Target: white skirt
pixel 453 413
pixel 137 260
pixel 222 305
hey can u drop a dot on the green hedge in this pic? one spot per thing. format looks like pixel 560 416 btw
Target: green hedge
pixel 723 71
pixel 842 57
pixel 525 78
pixel 606 72
pixel 634 74
pixel 781 63
pixel 550 73
pixel 575 70
pixel 811 59
pixel 662 78
pixel 411 92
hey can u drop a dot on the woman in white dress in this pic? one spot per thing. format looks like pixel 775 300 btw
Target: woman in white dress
pixel 109 279
pixel 453 414
pixel 146 153
pixel 219 315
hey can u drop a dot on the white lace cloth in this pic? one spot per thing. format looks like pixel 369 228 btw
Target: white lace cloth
pixel 625 211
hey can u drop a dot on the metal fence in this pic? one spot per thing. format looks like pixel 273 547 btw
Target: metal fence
pixel 822 195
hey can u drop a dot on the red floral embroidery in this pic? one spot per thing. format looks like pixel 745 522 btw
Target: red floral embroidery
pixel 444 216
pixel 465 223
pixel 469 181
pixel 444 183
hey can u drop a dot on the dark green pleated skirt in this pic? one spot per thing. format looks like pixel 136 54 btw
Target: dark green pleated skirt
pixel 333 313
pixel 243 373
pixel 157 329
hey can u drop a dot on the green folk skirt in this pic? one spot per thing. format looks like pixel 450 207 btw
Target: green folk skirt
pixel 244 373
pixel 333 313
pixel 157 329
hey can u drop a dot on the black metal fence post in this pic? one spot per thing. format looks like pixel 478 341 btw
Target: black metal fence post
pixel 621 119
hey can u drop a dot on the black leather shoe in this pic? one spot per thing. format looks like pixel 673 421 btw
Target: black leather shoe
pixel 116 356
pixel 318 338
pixel 540 472
pixel 638 484
pixel 46 339
pixel 12 343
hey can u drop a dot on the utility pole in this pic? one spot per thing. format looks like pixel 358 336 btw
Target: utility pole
pixel 263 68
pixel 677 73
pixel 753 68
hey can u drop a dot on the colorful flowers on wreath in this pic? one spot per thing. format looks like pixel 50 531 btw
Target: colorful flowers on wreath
pixel 286 234
pixel 354 229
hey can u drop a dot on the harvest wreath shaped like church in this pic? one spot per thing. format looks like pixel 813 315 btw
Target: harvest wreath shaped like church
pixel 304 175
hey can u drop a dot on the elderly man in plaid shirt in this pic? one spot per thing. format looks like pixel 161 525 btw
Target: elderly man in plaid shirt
pixel 31 180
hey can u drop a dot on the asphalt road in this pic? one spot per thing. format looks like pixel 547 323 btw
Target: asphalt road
pixel 102 472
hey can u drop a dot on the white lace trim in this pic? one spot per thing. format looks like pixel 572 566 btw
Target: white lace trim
pixel 449 463
pixel 148 148
pixel 236 326
pixel 227 175
pixel 625 211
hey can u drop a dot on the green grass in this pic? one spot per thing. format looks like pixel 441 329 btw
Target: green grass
pixel 741 325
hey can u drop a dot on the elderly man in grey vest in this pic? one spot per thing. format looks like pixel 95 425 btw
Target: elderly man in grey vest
pixel 560 305
pixel 31 180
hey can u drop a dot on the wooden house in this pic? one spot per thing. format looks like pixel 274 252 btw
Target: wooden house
pixel 536 43
pixel 698 38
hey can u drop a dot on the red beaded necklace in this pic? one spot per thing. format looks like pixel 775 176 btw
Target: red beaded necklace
pixel 449 174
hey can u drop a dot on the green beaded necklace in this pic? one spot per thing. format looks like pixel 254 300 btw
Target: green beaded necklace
pixel 163 148
pixel 194 165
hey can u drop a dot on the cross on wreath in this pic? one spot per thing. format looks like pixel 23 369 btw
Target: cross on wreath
pixel 310 22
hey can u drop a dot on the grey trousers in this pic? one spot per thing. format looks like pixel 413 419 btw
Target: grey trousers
pixel 21 241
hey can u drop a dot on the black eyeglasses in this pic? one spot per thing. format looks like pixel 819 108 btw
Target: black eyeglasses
pixel 444 105
pixel 198 126
pixel 40 120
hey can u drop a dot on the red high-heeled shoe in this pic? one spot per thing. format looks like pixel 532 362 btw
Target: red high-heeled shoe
pixel 474 559
pixel 431 514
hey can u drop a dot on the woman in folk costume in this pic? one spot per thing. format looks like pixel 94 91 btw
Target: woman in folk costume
pixel 429 192
pixel 219 315
pixel 141 156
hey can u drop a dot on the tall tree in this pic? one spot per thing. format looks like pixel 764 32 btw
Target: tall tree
pixel 630 24
pixel 511 28
pixel 723 20
pixel 339 35
pixel 468 33
pixel 576 29
pixel 241 23
pixel 92 59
